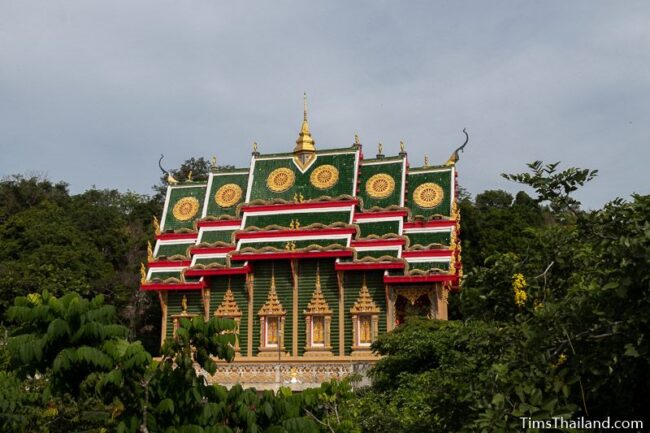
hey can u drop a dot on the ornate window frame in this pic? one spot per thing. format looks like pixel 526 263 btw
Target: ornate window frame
pixel 270 312
pixel 228 309
pixel 318 310
pixel 184 314
pixel 364 309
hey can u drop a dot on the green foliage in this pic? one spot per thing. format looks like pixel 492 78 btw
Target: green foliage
pixel 552 322
pixel 455 376
pixel 552 186
pixel 91 376
pixel 497 223
pixel 89 243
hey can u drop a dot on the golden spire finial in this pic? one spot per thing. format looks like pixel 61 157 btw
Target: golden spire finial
pixel 426 160
pixel 317 274
pixel 254 146
pixel 402 146
pixel 356 139
pixel 272 276
pixel 305 143
pixel 304 103
pixel 380 148
pixel 363 284
pixel 184 304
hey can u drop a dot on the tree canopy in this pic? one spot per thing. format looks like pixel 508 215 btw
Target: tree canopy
pixel 551 321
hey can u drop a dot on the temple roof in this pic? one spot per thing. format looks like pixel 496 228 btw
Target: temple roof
pixel 377 213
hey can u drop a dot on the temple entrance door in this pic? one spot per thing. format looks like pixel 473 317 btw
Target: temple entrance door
pixel 412 305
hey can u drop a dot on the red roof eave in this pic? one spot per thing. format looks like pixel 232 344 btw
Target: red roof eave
pixel 384 214
pixel 176 236
pixel 355 266
pixel 173 286
pixel 443 252
pixel 429 224
pixel 289 206
pixel 263 234
pixel 222 223
pixel 170 264
pixel 208 250
pixel 402 279
pixel 378 243
pixel 219 271
pixel 290 255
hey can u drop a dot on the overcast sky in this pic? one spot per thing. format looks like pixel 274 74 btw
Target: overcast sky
pixel 92 92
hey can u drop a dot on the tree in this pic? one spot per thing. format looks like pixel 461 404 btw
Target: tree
pixel 83 353
pixel 18 193
pixel 554 187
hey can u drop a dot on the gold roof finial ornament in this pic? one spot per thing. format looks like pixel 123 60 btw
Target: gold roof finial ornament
pixel 318 275
pixel 305 143
pixel 426 160
pixel 150 257
pixel 171 180
pixel 184 304
pixel 356 139
pixel 189 176
pixel 255 152
pixel 213 164
pixel 143 273
pixel 156 225
pixel 453 159
pixel 402 148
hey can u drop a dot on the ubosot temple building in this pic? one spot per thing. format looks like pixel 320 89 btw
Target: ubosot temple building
pixel 313 252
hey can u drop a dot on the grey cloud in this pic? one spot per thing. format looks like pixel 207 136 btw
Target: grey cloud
pixel 91 92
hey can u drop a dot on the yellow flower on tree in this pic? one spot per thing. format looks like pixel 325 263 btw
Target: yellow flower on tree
pixel 518 286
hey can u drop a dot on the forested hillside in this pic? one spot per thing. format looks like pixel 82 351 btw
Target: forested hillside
pixel 552 320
